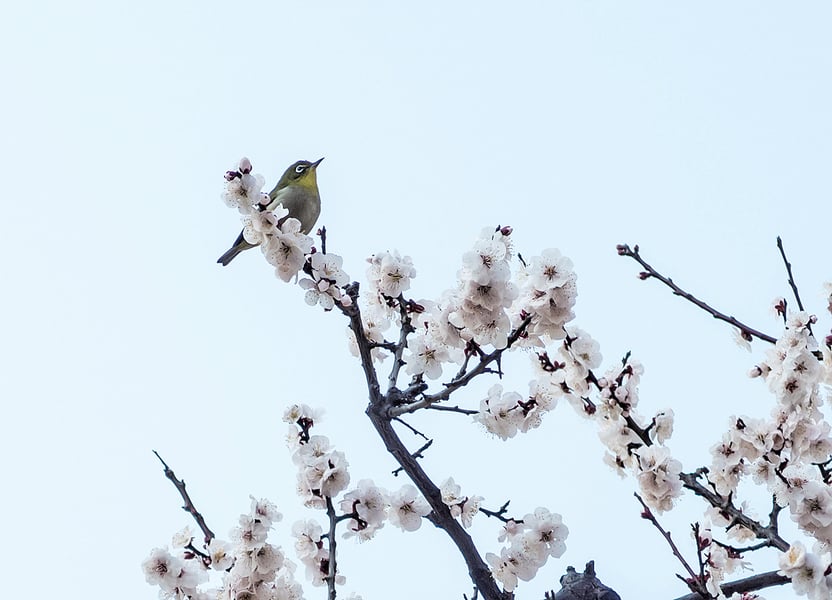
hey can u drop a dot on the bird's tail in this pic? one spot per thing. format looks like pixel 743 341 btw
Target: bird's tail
pixel 229 255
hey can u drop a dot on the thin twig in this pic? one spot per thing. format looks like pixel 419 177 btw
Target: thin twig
pixel 500 513
pixel 624 250
pixel 792 283
pixel 411 428
pixel 322 234
pixel 189 505
pixel 482 367
pixel 789 272
pixel 420 453
pixel 694 582
pixel 456 409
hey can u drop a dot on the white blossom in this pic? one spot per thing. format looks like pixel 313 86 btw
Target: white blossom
pixel 390 273
pixel 407 507
pixel 659 477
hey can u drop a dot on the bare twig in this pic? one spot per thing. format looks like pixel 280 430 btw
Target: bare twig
pixel 500 513
pixel 456 409
pixel 624 250
pixel 322 233
pixel 411 428
pixel 789 272
pixel 694 582
pixel 189 505
pixel 418 454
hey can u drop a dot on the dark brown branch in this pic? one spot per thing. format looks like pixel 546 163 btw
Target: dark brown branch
pixel 749 584
pixel 189 505
pixel 691 482
pixel 380 412
pixel 357 325
pixel 332 567
pixel 406 329
pixel 440 516
pixel 624 250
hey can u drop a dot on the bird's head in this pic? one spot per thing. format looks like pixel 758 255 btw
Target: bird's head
pixel 302 173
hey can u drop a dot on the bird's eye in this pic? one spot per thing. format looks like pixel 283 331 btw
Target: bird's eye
pixel 300 169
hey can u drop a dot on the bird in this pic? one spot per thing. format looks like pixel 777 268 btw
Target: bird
pixel 298 192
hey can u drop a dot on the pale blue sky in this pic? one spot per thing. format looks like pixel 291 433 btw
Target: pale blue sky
pixel 699 130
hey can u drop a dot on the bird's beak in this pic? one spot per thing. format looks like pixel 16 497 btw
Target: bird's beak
pixel 317 162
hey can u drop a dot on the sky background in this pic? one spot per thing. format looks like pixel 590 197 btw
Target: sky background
pixel 699 131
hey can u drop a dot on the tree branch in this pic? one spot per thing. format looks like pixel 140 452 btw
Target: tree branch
pixel 455 384
pixel 694 582
pixel 189 505
pixel 332 567
pixel 441 516
pixel 749 584
pixel 624 250
pixel 406 329
pixel 691 482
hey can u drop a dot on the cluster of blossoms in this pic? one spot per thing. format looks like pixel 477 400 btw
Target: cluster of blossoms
pixel 388 276
pixel 529 541
pixel 811 574
pixel 779 453
pixel 537 301
pixel 529 544
pixel 251 567
pixel 280 238
pixel 776 451
pixel 504 414
pixel 548 291
pixel 322 476
pixel 632 444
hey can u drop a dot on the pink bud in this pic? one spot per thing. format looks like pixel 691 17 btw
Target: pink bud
pixel 245 165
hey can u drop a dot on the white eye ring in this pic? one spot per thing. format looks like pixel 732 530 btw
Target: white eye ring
pixel 300 169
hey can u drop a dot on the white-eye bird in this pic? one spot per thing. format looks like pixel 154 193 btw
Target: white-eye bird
pixel 298 192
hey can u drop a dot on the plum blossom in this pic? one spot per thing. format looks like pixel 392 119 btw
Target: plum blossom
pixel 529 544
pixel 242 188
pixel 407 507
pixel 368 503
pixel 807 572
pixel 390 273
pixel 426 354
pixel 659 477
pixel 327 280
